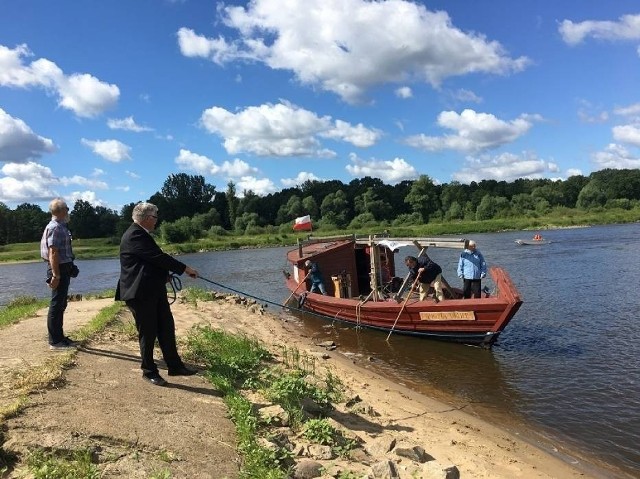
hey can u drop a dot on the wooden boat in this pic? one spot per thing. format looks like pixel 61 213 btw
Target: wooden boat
pixel 532 242
pixel 363 290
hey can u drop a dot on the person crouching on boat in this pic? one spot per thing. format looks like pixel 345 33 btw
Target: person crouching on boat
pixel 472 268
pixel 427 272
pixel 316 278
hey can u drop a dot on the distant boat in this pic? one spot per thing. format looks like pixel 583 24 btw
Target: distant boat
pixel 532 242
pixel 363 290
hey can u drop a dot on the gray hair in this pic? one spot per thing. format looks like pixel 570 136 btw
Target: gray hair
pixel 142 210
pixel 472 243
pixel 57 205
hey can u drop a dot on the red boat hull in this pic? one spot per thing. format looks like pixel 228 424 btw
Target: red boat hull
pixel 477 321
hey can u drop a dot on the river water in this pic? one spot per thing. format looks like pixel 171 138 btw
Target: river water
pixel 566 370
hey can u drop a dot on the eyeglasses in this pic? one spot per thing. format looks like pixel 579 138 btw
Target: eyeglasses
pixel 152 216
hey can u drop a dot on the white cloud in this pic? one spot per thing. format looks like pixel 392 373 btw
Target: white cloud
pixel 111 150
pixel 629 134
pixel 260 186
pixel 505 167
pixel 404 92
pixel 123 188
pixel 26 182
pixel 283 129
pixel 82 181
pixel 302 177
pixel 358 135
pixel 131 174
pixel 81 93
pixel 205 166
pixel 475 132
pixel 88 196
pixel 630 110
pixel 616 157
pixel 127 123
pixel 97 172
pixel 390 171
pixel 626 28
pixel 18 143
pixel 349 46
pixel 465 96
pixel 574 172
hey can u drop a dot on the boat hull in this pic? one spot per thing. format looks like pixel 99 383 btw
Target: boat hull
pixel 477 321
pixel 531 242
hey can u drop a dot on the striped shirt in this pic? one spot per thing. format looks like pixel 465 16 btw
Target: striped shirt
pixel 56 234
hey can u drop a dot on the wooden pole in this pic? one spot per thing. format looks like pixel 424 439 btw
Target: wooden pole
pixel 413 286
pixel 294 291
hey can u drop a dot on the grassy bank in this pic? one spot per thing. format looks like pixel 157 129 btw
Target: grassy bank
pixel 559 218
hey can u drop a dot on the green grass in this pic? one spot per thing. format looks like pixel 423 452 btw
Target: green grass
pixel 62 465
pixel 557 218
pixel 237 363
pixel 20 308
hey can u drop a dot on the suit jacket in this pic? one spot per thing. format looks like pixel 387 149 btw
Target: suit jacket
pixel 144 267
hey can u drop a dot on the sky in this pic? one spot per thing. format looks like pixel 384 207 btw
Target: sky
pixel 103 100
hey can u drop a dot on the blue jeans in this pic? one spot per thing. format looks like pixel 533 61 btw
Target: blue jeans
pixel 57 306
pixel 319 286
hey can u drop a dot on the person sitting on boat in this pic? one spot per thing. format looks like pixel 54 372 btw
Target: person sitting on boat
pixel 537 237
pixel 472 268
pixel 427 271
pixel 316 278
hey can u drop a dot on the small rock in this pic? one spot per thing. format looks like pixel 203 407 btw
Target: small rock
pixel 384 470
pixel 307 469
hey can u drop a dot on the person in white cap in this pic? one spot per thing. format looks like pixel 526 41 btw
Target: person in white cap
pixel 472 268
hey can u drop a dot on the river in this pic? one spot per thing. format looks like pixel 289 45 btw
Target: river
pixel 566 369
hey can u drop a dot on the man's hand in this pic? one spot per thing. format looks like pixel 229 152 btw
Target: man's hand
pixel 55 281
pixel 191 272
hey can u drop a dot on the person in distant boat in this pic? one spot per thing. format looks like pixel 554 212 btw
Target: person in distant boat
pixel 427 271
pixel 316 278
pixel 472 268
pixel 537 237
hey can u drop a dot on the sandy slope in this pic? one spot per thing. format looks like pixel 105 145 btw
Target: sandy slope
pixel 136 429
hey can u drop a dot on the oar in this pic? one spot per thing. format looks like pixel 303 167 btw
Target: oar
pixel 413 286
pixel 294 291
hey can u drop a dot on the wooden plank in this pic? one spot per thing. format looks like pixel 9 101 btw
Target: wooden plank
pixel 447 316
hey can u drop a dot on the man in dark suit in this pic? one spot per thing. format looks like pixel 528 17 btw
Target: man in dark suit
pixel 144 271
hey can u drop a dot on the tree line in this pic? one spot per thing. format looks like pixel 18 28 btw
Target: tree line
pixel 190 208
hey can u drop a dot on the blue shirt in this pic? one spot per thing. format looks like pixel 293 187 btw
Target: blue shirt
pixel 56 234
pixel 472 265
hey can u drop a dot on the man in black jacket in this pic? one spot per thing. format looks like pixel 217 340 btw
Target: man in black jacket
pixel 144 271
pixel 427 272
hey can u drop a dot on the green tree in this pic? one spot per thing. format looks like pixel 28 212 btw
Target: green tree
pixel 423 197
pixel 592 195
pixel 28 223
pixel 369 203
pixel 83 221
pixel 185 195
pixel 334 209
pixel 310 206
pixel 232 202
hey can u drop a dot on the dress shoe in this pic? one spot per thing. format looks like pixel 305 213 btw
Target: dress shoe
pixel 155 379
pixel 182 371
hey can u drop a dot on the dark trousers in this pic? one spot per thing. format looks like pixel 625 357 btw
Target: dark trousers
pixel 471 287
pixel 58 304
pixel 153 317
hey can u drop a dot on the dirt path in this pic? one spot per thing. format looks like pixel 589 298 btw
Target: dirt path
pixel 133 428
pixel 136 430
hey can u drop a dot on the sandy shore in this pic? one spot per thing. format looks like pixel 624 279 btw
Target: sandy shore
pixel 104 405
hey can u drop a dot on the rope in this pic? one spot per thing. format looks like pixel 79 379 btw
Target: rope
pixel 176 285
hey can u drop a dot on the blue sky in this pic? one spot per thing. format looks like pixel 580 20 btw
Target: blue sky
pixel 102 101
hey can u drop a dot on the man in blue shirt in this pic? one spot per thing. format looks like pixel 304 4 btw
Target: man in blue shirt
pixel 55 249
pixel 472 268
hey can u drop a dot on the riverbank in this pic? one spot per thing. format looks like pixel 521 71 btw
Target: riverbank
pixel 99 248
pixel 139 430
